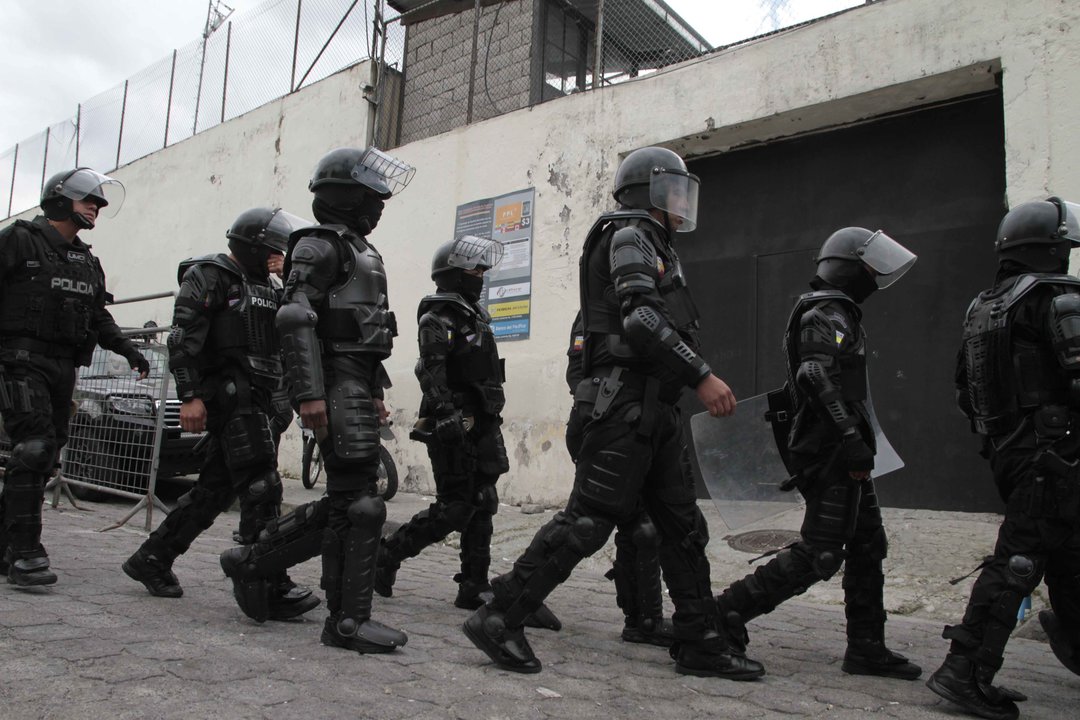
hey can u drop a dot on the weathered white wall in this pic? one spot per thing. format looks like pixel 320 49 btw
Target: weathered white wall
pixel 875 59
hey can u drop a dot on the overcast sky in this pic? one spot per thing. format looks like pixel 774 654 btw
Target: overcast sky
pixel 58 53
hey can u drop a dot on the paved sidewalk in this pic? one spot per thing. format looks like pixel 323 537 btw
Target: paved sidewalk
pixel 97 645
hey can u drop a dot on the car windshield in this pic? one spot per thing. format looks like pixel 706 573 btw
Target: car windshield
pixel 106 364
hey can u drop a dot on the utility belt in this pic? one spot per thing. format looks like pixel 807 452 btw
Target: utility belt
pixel 606 385
pixel 24 345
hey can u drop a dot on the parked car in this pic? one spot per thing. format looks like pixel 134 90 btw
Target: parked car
pixel 113 422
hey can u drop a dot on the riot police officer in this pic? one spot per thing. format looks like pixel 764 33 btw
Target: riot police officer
pixel 636 569
pixel 830 450
pixel 1018 381
pixel 52 314
pixel 225 357
pixel 336 329
pixel 639 352
pixel 461 380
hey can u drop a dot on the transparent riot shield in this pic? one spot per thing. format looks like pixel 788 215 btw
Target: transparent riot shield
pixel 743 470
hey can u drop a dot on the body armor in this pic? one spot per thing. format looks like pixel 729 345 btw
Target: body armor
pixel 605 342
pixel 50 298
pixel 1007 376
pixel 852 362
pixel 356 317
pixel 243 333
pixel 473 365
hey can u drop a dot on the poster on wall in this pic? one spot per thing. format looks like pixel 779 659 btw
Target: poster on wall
pixel 507 289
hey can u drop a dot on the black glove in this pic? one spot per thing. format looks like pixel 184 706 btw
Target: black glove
pixel 450 429
pixel 856 455
pixel 140 363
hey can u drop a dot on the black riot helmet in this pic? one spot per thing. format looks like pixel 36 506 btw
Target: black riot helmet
pixel 351 184
pixel 858 261
pixel 60 190
pixel 258 233
pixel 1039 235
pixel 655 177
pixel 452 259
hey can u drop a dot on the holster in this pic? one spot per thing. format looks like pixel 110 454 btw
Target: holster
pixel 780 415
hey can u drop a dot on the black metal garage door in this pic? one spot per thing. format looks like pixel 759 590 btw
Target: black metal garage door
pixel 935 180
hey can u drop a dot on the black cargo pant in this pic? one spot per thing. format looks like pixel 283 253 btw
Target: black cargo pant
pixel 632 456
pixel 36 414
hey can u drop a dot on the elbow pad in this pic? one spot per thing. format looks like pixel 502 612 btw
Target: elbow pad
pixel 813 378
pixel 1065 329
pixel 649 332
pixel 301 350
pixel 633 263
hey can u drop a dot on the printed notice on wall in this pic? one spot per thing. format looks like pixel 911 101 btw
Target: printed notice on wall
pixel 508 288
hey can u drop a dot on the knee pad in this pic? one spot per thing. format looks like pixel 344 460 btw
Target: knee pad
pixel 264 488
pixel 824 562
pixel 487 499
pixel 878 547
pixel 367 510
pixel 34 454
pixel 645 534
pixel 1021 570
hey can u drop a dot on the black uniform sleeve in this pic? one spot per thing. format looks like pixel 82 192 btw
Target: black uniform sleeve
pixel 823 335
pixel 645 317
pixel 313 265
pixel 574 372
pixel 435 335
pixel 109 335
pixel 197 300
pixel 1064 321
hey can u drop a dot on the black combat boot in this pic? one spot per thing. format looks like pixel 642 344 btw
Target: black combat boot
pixel 711 656
pixel 362 636
pixel 956 681
pixel 29 571
pixel 385 572
pixel 471 594
pixel 649 631
pixel 289 600
pixel 870 657
pixel 153 572
pixel 506 646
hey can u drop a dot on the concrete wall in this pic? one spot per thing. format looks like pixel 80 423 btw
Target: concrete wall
pixel 876 59
pixel 439 57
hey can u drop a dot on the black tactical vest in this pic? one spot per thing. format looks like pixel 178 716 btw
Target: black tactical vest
pixel 605 340
pixel 50 296
pixel 1007 376
pixel 243 332
pixel 473 363
pixel 355 316
pixel 852 361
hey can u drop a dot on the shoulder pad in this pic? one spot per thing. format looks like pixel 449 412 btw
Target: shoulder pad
pixel 1026 283
pixel 330 232
pixel 219 260
pixel 438 300
pixel 618 216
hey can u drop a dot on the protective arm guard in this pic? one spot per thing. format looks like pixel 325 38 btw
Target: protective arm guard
pixel 192 317
pixel 650 334
pixel 300 349
pixel 434 337
pixel 1065 331
pixel 818 372
pixel 963 397
pixel 633 264
pixel 313 265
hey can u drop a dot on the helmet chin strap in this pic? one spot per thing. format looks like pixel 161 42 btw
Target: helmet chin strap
pixel 81 221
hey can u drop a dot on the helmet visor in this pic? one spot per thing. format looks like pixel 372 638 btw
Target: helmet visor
pixel 394 173
pixel 86 182
pixel 471 252
pixel 887 258
pixel 282 224
pixel 1070 222
pixel 676 193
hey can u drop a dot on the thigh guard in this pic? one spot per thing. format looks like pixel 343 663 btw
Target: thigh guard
pixel 247 441
pixel 611 467
pixel 491 453
pixel 832 509
pixel 354 422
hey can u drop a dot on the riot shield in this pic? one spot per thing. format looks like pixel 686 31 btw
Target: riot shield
pixel 742 468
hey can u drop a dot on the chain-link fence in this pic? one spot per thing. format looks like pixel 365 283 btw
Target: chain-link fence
pixel 263 54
